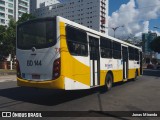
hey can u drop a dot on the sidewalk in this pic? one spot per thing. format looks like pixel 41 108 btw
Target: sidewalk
pixel 7 72
pixel 8 78
pixel 151 72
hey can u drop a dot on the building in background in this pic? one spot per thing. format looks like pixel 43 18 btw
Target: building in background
pixel 6 11
pixel 12 9
pixel 90 13
pixel 21 6
pixel 147 39
pixel 35 4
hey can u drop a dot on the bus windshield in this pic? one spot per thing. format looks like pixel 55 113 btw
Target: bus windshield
pixel 38 33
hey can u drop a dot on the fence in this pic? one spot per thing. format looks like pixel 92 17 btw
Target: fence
pixel 7 65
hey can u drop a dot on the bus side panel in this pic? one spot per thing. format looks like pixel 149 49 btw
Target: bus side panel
pixel 103 77
pixel 117 75
pixel 112 65
pixel 77 74
pixel 131 73
pixel 139 72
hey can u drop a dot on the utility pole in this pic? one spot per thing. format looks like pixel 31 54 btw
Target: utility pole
pixel 115 28
pixel 156 27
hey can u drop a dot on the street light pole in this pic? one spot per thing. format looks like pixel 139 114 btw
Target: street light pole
pixel 115 28
pixel 156 27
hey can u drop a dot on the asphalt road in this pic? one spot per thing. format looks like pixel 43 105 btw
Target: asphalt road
pixel 141 95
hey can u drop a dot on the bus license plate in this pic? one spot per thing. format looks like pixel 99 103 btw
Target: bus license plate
pixel 35 76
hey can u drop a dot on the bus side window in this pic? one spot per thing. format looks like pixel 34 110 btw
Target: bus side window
pixel 106 48
pixel 84 49
pixel 136 56
pixel 116 50
pixel 131 53
pixel 77 41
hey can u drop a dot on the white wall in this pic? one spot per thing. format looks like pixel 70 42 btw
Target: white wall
pixel 85 12
pixel 41 3
pixel 6 13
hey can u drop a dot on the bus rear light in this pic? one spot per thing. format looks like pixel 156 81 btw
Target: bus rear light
pixel 18 69
pixel 57 62
pixel 56 68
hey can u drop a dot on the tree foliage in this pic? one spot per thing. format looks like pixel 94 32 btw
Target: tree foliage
pixel 8 39
pixel 25 17
pixel 155 45
pixel 2 34
pixel 8 36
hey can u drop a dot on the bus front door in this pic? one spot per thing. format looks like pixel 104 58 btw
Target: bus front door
pixel 125 62
pixel 94 61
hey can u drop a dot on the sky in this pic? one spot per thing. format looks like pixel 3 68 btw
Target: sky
pixel 137 17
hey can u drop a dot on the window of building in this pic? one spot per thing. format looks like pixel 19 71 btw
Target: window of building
pixel 10 16
pixel 2 2
pixel 10 5
pixel 2 15
pixel 2 21
pixel 2 8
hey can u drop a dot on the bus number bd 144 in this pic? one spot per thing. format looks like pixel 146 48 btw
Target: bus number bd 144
pixel 34 63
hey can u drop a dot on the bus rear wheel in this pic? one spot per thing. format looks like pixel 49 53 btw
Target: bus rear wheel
pixel 135 76
pixel 108 81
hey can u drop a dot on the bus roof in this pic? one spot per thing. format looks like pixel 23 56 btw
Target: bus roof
pixel 94 31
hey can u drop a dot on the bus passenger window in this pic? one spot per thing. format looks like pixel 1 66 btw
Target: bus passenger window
pixel 116 50
pixel 136 56
pixel 77 41
pixel 106 48
pixel 131 53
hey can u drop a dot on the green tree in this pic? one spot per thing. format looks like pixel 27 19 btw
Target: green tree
pixel 25 17
pixel 9 39
pixel 155 45
pixel 2 34
pixel 8 36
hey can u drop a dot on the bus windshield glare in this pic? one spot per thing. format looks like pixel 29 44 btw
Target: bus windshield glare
pixel 39 34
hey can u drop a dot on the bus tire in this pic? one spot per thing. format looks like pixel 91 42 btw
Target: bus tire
pixel 135 76
pixel 108 81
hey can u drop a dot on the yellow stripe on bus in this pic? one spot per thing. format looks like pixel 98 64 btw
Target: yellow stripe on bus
pixel 71 67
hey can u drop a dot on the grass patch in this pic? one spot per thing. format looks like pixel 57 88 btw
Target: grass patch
pixel 7 71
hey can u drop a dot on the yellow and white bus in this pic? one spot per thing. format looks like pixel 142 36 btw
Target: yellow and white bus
pixel 60 54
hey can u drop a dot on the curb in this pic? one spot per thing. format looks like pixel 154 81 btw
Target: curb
pixel 148 72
